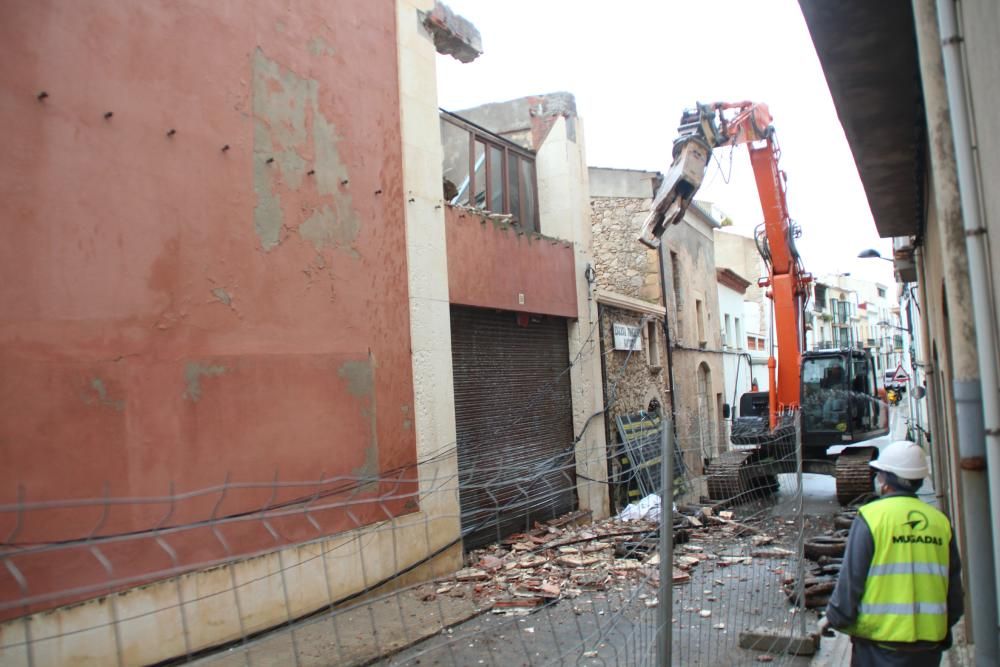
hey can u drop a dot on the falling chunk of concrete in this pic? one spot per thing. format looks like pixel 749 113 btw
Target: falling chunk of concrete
pixel 453 35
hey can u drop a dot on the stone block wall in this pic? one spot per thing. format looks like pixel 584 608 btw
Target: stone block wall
pixel 623 265
pixel 631 381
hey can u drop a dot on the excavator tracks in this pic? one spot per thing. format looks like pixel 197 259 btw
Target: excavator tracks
pixel 727 476
pixel 736 476
pixel 854 476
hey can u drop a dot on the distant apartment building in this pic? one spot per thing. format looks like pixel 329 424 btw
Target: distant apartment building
pixel 851 312
pixel 738 347
pixel 739 254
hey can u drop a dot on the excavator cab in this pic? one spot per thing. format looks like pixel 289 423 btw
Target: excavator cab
pixel 840 399
pixel 840 405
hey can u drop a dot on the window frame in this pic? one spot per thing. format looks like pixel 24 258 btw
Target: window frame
pixel 507 148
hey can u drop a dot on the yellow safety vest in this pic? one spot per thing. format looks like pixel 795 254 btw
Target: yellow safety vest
pixel 906 592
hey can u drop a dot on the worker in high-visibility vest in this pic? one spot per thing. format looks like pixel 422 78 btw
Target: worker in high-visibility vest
pixel 899 591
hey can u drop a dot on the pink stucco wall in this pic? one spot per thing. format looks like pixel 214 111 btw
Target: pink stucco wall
pixel 224 302
pixel 490 265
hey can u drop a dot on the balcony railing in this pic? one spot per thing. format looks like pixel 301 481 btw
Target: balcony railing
pixel 483 170
pixel 835 345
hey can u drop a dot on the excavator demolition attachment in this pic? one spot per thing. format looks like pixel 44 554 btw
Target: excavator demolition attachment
pixel 692 151
pixel 766 431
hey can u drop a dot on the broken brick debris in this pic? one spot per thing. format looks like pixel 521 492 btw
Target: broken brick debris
pixel 471 574
pixel 772 552
pixel 570 555
pixel 555 560
pixel 578 561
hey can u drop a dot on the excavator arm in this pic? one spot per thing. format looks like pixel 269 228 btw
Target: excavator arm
pixel 710 126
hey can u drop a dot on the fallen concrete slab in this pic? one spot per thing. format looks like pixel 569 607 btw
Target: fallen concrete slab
pixel 769 640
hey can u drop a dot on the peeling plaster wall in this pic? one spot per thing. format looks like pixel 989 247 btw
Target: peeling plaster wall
pixel 623 265
pixel 229 299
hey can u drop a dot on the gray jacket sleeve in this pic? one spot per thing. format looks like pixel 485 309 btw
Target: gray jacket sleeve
pixel 842 609
pixel 956 597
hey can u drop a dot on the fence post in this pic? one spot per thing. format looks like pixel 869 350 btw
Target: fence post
pixel 666 593
pixel 800 573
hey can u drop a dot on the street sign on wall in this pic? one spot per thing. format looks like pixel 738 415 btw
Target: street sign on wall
pixel 627 337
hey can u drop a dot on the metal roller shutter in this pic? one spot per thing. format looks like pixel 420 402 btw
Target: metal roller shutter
pixel 514 419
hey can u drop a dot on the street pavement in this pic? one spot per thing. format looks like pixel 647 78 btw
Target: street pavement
pixel 616 627
pixel 729 591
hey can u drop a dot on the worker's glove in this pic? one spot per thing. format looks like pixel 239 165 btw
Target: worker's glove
pixel 824 627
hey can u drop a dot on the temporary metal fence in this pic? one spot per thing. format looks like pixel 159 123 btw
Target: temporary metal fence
pixel 567 590
pixel 356 570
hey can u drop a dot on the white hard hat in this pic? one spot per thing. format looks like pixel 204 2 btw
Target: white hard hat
pixel 904 459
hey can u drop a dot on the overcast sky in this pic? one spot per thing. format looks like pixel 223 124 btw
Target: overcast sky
pixel 634 65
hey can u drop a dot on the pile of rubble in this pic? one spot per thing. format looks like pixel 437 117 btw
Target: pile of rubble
pixel 557 559
pixel 827 553
pixel 565 557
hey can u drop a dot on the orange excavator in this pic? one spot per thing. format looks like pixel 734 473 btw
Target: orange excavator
pixel 834 391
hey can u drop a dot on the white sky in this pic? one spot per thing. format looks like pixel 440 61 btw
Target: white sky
pixel 634 65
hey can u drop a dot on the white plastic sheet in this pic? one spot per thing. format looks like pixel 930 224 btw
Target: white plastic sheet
pixel 648 508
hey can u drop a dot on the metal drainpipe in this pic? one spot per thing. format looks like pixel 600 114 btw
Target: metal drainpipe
pixel 980 282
